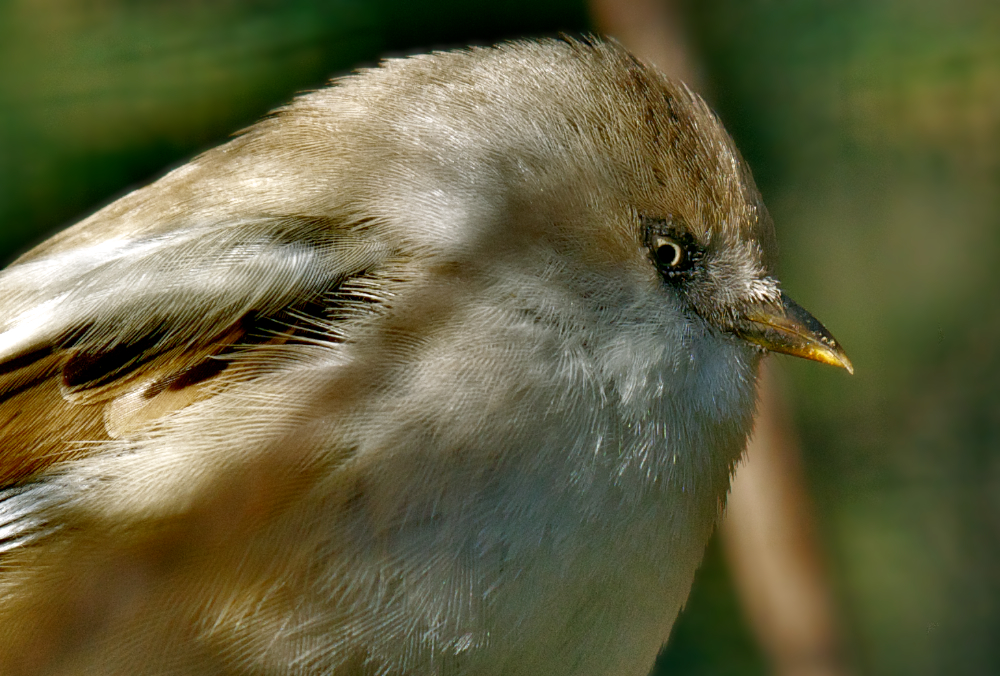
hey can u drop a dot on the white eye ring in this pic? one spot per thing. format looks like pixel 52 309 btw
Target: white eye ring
pixel 669 254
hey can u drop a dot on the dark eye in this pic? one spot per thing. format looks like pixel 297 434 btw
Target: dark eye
pixel 670 254
pixel 672 248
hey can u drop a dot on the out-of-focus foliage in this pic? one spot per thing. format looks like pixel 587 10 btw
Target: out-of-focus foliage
pixel 873 128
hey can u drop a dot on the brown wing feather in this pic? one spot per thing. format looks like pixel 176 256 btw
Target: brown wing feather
pixel 44 421
pixel 104 346
pixel 38 426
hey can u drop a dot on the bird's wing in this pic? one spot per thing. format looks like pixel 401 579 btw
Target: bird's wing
pixel 104 336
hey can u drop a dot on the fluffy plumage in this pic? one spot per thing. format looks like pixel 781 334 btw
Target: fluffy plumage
pixel 394 382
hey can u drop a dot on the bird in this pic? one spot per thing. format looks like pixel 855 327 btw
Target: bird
pixel 442 369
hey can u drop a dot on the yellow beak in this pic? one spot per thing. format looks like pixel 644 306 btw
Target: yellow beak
pixel 788 328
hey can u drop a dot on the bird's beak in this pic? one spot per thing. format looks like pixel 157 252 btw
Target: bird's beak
pixel 787 327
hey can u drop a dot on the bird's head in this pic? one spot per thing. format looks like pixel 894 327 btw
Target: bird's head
pixel 629 175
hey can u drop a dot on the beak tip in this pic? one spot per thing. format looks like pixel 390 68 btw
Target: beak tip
pixel 824 353
pixel 833 354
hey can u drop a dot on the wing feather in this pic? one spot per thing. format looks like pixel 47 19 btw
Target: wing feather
pixel 100 340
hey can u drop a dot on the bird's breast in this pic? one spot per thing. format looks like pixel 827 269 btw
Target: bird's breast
pixel 557 530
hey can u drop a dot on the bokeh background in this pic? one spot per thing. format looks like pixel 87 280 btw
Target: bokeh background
pixel 873 129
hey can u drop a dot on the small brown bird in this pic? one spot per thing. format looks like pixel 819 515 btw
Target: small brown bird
pixel 441 370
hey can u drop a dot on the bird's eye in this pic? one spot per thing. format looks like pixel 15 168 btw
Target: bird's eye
pixel 675 252
pixel 670 255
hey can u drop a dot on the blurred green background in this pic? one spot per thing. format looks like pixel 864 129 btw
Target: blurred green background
pixel 873 129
